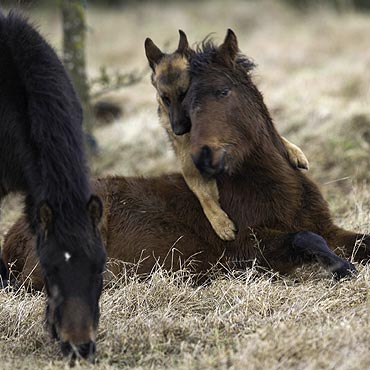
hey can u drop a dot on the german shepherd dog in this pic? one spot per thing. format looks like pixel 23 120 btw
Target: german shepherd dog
pixel 171 79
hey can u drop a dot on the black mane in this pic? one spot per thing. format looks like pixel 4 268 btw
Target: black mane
pixel 205 56
pixel 51 122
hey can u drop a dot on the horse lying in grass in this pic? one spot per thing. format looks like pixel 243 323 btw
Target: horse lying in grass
pixel 171 79
pixel 282 217
pixel 42 156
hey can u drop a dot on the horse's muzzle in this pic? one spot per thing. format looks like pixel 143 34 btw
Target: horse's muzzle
pixel 85 350
pixel 208 162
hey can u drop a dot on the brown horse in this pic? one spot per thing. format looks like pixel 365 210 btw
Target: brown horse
pixel 282 217
pixel 171 80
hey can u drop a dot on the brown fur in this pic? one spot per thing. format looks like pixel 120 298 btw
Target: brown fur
pixel 280 212
pixel 158 221
pixel 171 79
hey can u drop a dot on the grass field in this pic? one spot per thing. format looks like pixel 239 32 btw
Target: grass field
pixel 313 69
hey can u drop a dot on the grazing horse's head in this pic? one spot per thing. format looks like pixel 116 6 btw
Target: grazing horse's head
pixel 226 110
pixel 171 79
pixel 72 259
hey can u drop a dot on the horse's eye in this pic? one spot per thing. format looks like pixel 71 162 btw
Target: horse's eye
pixel 225 92
pixel 166 100
pixel 222 93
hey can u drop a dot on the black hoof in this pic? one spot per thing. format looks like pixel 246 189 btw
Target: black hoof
pixel 343 269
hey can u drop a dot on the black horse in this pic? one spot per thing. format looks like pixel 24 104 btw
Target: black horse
pixel 42 155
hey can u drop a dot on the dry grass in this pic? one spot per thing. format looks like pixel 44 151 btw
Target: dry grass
pixel 313 70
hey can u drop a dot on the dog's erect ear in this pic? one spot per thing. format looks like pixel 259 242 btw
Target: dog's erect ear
pixel 95 209
pixel 228 51
pixel 183 43
pixel 153 53
pixel 44 217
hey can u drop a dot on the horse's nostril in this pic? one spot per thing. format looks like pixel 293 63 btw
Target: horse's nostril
pixel 206 152
pixel 87 349
pixel 208 162
pixel 203 158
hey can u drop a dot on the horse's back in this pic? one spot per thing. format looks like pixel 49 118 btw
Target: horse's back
pixel 156 219
pixel 14 146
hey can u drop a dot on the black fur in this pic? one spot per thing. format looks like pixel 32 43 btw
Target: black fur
pixel 42 155
pixel 205 55
pixel 41 111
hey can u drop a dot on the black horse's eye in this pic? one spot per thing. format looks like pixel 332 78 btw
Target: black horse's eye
pixel 166 100
pixel 222 93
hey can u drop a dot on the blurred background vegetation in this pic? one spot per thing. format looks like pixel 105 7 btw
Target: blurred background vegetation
pixel 301 4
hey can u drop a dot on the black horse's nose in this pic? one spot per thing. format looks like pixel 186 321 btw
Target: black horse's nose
pixel 85 350
pixel 206 163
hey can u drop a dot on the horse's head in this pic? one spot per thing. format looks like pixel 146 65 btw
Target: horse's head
pixel 72 260
pixel 225 108
pixel 171 79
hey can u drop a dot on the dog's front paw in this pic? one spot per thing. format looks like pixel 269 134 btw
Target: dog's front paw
pixel 224 227
pixel 297 158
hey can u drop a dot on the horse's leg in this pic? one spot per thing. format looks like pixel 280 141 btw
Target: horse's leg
pixel 205 190
pixel 296 156
pixel 350 244
pixel 284 252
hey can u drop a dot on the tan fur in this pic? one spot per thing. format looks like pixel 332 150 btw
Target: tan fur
pixel 296 157
pixel 205 189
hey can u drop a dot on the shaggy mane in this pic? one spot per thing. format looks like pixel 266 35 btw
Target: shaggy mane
pixel 205 56
pixel 53 118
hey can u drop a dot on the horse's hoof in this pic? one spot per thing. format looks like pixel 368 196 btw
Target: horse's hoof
pixel 344 269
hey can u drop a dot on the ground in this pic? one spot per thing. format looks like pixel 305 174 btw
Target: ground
pixel 313 72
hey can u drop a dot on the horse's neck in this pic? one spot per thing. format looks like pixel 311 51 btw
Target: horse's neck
pixel 265 190
pixel 270 158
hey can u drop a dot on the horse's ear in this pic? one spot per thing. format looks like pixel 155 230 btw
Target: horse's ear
pixel 229 49
pixel 183 43
pixel 95 209
pixel 153 53
pixel 44 216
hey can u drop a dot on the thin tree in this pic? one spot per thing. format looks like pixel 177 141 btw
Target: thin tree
pixel 74 41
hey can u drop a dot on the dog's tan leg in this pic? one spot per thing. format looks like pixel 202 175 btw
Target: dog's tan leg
pixel 296 156
pixel 204 189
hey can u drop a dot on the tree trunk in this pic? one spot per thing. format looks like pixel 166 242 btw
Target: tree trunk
pixel 74 32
